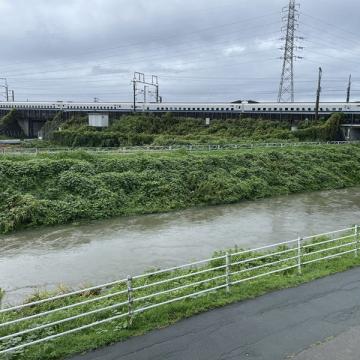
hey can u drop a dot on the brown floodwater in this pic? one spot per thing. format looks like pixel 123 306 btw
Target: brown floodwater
pixel 102 251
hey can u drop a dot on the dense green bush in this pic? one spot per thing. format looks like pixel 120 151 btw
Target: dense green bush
pixel 329 131
pixel 149 129
pixel 58 188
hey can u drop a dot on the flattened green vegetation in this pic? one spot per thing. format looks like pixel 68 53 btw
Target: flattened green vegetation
pixel 61 188
pixel 121 329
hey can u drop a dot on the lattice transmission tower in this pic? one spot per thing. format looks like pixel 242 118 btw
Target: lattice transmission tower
pixel 290 19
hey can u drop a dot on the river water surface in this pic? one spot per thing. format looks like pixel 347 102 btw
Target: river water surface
pixel 103 251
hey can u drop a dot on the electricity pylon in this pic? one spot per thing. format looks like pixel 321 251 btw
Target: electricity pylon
pixel 290 18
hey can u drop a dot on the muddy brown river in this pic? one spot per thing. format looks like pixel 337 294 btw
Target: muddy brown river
pixel 102 251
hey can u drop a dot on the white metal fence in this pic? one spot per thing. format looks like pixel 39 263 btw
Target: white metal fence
pixel 50 318
pixel 150 148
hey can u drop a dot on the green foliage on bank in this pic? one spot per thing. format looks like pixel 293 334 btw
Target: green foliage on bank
pixel 329 131
pixel 65 187
pixel 147 129
pixel 121 329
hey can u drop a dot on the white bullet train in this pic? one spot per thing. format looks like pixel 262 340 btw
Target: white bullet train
pixel 244 107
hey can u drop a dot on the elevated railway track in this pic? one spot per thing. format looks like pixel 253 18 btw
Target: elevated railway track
pixel 35 114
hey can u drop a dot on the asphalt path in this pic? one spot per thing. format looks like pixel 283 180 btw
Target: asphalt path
pixel 319 320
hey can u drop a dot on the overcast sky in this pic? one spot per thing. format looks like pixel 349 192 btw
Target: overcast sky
pixel 202 50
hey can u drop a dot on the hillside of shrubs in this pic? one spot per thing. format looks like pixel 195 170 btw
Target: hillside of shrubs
pixel 133 130
pixel 65 187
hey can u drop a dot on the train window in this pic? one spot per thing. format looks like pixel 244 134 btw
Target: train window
pixel 303 109
pixel 264 109
pixel 269 109
pixel 309 109
pixel 292 109
pixel 253 109
pixel 321 109
pixel 157 108
pixel 334 109
pixel 217 109
pixel 340 109
pixel 275 109
pixel 297 109
pixel 286 109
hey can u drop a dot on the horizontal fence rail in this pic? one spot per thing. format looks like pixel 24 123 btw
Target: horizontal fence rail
pixel 56 316
pixel 195 147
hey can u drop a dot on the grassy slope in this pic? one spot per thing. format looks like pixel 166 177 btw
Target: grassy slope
pixel 55 189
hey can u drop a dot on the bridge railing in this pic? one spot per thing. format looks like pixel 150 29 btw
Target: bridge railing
pixel 152 148
pixel 117 304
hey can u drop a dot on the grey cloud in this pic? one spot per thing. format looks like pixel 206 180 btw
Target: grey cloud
pixel 206 50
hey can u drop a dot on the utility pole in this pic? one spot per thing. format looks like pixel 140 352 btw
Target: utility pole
pixel 134 94
pixel 290 18
pixel 318 93
pixel 348 90
pixel 155 82
pixel 4 85
pixel 145 93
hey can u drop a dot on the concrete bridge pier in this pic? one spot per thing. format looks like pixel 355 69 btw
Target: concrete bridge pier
pixel 351 131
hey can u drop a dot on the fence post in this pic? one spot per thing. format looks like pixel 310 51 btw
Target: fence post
pixel 2 294
pixel 357 240
pixel 130 299
pixel 299 255
pixel 228 271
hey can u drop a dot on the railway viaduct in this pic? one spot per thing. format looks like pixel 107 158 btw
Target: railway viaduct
pixel 31 121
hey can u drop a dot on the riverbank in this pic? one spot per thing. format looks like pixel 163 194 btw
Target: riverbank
pixel 62 188
pixel 280 267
